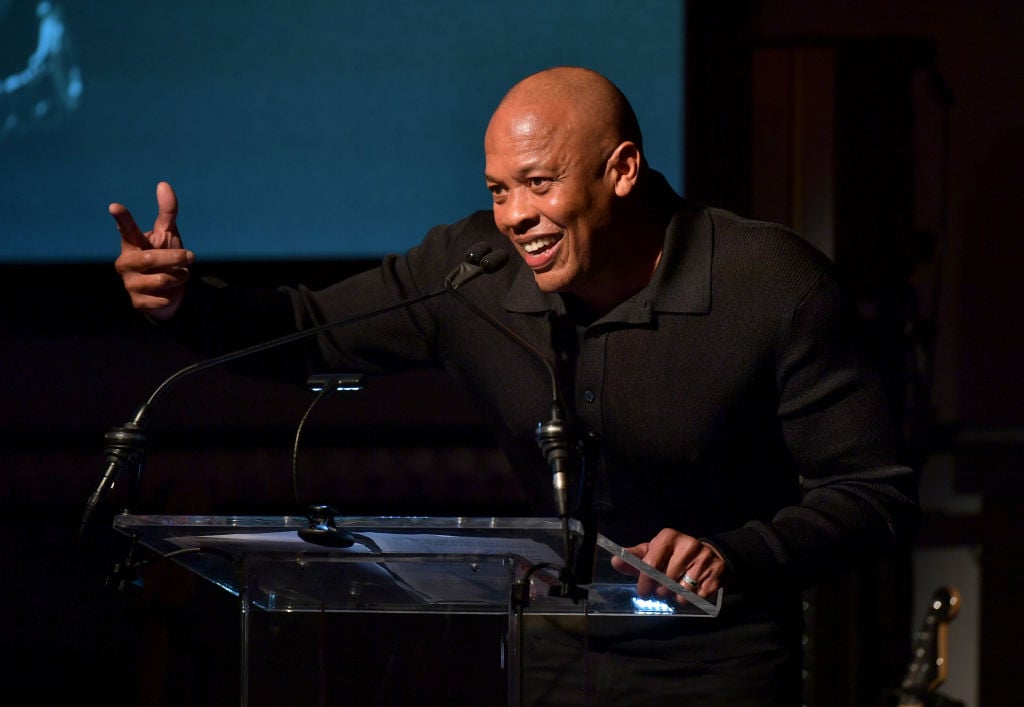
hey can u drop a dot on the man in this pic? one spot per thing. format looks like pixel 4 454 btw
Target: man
pixel 740 442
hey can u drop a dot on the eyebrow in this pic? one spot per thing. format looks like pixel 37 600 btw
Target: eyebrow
pixel 523 169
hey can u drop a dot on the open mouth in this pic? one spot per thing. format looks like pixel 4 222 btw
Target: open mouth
pixel 539 246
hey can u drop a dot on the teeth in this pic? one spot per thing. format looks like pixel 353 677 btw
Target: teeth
pixel 539 244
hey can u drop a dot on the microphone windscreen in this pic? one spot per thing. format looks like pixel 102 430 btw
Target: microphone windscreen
pixel 476 252
pixel 493 261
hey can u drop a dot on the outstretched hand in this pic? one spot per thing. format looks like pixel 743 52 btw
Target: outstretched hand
pixel 153 265
pixel 684 558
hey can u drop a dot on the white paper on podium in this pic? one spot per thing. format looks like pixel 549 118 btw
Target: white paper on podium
pixel 452 581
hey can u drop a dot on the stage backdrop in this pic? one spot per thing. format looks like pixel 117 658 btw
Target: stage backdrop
pixel 306 129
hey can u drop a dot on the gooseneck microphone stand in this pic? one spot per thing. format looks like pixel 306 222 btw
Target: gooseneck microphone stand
pixel 126 444
pixel 566 457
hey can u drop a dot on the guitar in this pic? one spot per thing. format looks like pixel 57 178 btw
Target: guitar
pixel 930 662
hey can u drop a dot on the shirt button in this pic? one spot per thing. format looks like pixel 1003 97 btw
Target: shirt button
pixel 589 396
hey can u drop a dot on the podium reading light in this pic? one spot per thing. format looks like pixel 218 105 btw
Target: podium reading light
pixel 336 382
pixel 322 529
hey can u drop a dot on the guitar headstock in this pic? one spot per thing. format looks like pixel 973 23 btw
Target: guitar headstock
pixel 930 662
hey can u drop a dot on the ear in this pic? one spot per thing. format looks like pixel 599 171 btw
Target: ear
pixel 624 166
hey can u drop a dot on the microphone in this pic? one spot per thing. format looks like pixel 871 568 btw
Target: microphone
pixel 479 259
pixel 554 436
pixel 557 443
pixel 125 445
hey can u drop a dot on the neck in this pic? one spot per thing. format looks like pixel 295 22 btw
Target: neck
pixel 604 294
pixel 642 235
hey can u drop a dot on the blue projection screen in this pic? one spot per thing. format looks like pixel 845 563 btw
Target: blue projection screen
pixel 306 129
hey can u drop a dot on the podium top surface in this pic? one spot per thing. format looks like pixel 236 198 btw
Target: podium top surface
pixel 399 564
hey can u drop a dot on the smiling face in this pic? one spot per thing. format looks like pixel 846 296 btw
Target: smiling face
pixel 563 164
pixel 553 194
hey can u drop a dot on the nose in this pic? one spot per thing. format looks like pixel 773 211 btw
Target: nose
pixel 516 214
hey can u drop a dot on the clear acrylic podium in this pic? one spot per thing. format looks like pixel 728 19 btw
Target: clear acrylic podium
pixel 498 566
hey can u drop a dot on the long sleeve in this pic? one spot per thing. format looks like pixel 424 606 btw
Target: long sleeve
pixel 855 496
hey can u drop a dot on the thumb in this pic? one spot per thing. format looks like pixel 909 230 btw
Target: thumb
pixel 167 209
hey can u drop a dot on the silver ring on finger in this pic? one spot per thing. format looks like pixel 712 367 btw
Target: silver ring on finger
pixel 690 580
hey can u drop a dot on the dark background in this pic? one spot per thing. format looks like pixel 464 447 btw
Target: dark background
pixel 889 133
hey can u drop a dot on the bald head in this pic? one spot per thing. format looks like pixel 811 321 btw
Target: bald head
pixel 588 101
